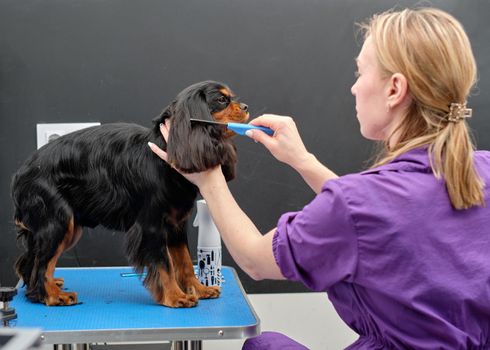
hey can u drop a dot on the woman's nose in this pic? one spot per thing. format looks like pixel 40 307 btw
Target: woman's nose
pixel 353 90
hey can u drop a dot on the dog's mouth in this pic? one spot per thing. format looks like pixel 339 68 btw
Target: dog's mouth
pixel 242 118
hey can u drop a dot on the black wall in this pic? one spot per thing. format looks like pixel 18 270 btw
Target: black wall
pixel 108 61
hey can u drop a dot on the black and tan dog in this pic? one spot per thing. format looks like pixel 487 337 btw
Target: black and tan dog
pixel 107 175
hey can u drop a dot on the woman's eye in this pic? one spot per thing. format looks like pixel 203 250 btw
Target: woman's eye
pixel 357 74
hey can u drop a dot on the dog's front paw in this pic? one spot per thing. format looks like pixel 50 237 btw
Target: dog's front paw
pixel 201 291
pixel 180 300
pixel 204 292
pixel 61 299
pixel 208 292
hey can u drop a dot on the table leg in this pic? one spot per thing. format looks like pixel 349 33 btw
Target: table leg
pixel 179 345
pixel 195 345
pixel 187 345
pixel 80 347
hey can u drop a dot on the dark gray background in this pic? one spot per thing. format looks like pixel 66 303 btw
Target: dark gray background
pixel 108 61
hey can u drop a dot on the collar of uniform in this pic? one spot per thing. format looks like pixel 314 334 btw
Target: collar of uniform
pixel 416 159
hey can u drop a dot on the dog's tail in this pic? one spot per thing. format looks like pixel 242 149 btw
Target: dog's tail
pixel 25 263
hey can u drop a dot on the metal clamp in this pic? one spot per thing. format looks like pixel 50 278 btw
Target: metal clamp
pixel 7 313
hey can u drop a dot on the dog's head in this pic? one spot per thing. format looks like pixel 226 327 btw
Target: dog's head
pixel 195 147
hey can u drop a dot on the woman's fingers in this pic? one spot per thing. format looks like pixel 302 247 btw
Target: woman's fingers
pixel 164 128
pixel 158 151
pixel 262 137
pixel 272 121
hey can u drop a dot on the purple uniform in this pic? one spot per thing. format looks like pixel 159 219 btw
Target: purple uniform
pixel 402 268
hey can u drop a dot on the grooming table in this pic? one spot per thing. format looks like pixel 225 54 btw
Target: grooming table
pixel 119 309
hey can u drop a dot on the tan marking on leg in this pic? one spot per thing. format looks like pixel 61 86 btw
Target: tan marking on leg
pixel 186 277
pixel 54 295
pixel 169 292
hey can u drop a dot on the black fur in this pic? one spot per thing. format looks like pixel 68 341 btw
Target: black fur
pixel 107 175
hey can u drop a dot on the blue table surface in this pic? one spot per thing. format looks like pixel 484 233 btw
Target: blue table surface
pixel 112 302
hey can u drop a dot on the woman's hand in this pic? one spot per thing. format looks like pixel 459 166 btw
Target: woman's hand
pixel 203 179
pixel 286 144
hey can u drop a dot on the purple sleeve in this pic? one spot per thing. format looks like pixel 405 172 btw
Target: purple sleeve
pixel 318 245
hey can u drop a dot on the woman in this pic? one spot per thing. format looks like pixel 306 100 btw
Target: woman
pixel 402 249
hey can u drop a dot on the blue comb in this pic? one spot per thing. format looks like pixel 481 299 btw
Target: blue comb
pixel 239 128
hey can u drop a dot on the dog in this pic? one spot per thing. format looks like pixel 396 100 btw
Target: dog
pixel 107 175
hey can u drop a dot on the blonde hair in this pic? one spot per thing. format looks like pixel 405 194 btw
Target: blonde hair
pixel 431 49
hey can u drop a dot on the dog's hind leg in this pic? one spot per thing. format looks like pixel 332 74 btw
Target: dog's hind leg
pixel 55 296
pixel 47 237
pixel 49 287
pixel 46 224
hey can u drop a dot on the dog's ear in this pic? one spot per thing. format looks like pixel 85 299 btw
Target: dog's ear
pixel 196 147
pixel 229 164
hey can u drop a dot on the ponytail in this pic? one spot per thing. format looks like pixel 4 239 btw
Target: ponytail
pixel 452 157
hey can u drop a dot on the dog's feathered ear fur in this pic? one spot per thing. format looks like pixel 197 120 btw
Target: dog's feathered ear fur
pixel 196 147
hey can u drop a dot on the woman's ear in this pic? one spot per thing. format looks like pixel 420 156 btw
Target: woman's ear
pixel 398 91
pixel 194 147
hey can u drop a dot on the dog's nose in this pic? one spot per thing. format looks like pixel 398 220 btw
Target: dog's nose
pixel 243 107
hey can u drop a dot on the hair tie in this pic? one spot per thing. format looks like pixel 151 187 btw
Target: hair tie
pixel 458 112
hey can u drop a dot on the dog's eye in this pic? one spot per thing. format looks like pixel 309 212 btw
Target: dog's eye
pixel 223 100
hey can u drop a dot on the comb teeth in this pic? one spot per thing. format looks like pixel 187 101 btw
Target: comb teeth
pixel 208 122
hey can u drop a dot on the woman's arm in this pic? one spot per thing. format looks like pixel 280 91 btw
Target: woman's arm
pixel 286 146
pixel 251 250
pixel 313 172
